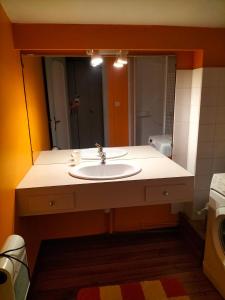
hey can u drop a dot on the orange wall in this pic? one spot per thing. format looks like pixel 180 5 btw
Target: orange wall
pixel 139 218
pixel 117 88
pixel 184 60
pixel 36 104
pixel 15 152
pixel 29 37
pixel 199 46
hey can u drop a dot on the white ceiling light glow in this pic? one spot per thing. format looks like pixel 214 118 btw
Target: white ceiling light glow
pixel 97 57
pixel 117 64
pixel 96 60
pixel 121 60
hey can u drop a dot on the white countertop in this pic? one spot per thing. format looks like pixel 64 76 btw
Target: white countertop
pixel 51 168
pixel 64 156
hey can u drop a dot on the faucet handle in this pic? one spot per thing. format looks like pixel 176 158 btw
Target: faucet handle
pixel 98 145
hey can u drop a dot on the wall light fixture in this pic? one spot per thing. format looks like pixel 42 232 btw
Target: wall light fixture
pixel 121 60
pixel 96 59
pixel 117 64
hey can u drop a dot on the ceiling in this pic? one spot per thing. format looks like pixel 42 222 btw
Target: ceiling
pixel 199 13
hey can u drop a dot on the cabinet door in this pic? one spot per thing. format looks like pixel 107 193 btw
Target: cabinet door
pixel 140 218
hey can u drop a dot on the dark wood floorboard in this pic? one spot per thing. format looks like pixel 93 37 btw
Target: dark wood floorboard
pixel 66 265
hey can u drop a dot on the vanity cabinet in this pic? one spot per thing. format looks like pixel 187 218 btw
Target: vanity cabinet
pixel 51 204
pixel 48 203
pixel 103 195
pixel 44 201
pixel 167 192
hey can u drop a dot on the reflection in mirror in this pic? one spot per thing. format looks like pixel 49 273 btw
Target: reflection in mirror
pixel 36 102
pixel 69 106
pixel 75 101
pixel 153 90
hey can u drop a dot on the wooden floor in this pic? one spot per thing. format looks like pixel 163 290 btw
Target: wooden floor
pixel 66 265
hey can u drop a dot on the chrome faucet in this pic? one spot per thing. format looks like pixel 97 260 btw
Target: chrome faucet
pixel 101 153
pixel 103 157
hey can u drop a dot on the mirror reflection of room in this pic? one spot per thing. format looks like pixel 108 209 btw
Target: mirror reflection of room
pixel 76 100
pixel 153 87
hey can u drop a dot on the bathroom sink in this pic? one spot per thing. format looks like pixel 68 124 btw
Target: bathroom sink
pixel 107 171
pixel 92 153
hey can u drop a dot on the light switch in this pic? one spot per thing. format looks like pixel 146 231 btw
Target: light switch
pixel 117 103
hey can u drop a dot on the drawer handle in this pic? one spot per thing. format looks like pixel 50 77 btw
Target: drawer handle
pixel 165 193
pixel 52 203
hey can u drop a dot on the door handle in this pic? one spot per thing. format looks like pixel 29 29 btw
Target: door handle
pixel 56 122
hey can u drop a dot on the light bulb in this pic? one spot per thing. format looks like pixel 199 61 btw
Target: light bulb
pixel 117 64
pixel 96 60
pixel 122 60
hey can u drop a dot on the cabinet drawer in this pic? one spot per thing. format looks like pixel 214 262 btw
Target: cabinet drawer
pixel 51 203
pixel 109 195
pixel 167 193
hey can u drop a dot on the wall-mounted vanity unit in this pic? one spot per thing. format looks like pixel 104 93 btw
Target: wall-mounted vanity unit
pixel 49 189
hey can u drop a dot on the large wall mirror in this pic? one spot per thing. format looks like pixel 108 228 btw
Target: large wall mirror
pixel 69 107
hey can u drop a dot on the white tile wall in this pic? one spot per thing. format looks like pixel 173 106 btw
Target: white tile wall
pixel 219 132
pixel 211 139
pixel 220 113
pixel 199 127
pixel 197 78
pixel 202 182
pixel 183 79
pixel 205 149
pixel 219 149
pixel 180 143
pixel 201 197
pixel 194 119
pixel 182 105
pixel 221 96
pixel 218 165
pixel 208 115
pixel 212 77
pixel 196 95
pixel 182 116
pixel 204 166
pixel 192 147
pixel 206 132
pixel 209 96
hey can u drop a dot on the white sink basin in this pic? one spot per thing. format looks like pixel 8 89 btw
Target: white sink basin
pixel 107 171
pixel 92 153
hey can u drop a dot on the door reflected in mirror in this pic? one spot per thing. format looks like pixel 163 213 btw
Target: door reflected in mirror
pixel 73 105
pixel 75 101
